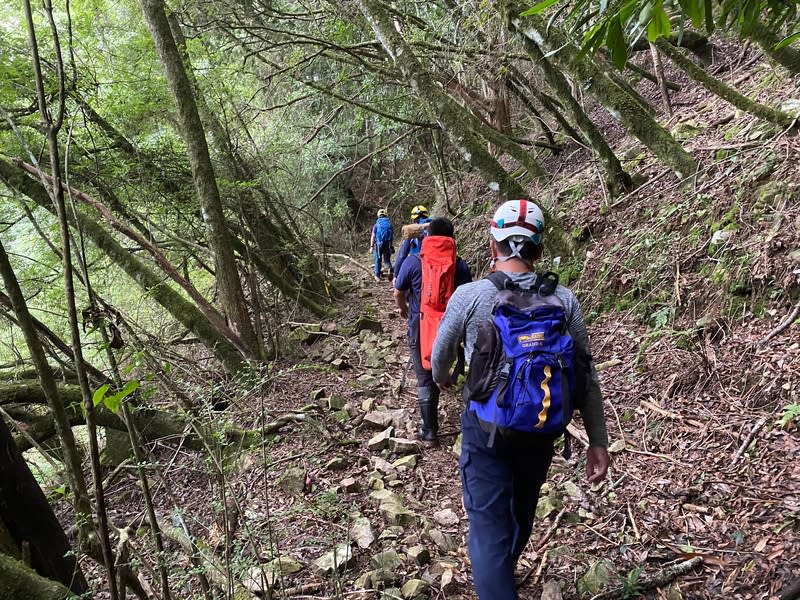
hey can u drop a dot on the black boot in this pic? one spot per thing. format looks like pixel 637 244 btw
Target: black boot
pixel 428 401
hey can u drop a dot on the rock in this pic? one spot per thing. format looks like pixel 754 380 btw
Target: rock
pixel 364 293
pixel 403 446
pixel 380 440
pixel 456 449
pixel 376 483
pixel 415 588
pixel 376 578
pixel 616 447
pixel 596 578
pixel 379 419
pixel 388 559
pixel 551 591
pixel 444 542
pixel 674 592
pixel 571 489
pixel 336 402
pixel 686 130
pixel 365 323
pixel 446 517
pixel 548 505
pixel 361 532
pixel 367 405
pixel 791 106
pixel 334 561
pixel 293 481
pixel 317 395
pixel 284 565
pixel 419 554
pixel 392 506
pixel 340 364
pixel 330 327
pixel 349 485
pixel 337 463
pixel 390 594
pixel 408 462
pixel 368 381
pixel 382 465
pixel 392 532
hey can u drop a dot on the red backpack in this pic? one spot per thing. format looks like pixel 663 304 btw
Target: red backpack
pixel 438 258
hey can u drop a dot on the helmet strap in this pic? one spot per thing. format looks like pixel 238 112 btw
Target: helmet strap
pixel 515 246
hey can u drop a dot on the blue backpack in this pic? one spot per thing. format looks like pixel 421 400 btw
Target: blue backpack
pixel 524 372
pixel 383 231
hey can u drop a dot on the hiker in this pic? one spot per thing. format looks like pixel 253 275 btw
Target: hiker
pixel 411 246
pixel 508 434
pixel 381 244
pixel 422 288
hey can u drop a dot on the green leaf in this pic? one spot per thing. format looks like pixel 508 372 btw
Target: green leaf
pixel 593 38
pixel 114 401
pixel 708 9
pixel 788 41
pixel 659 25
pixel 99 394
pixel 539 8
pixel 694 10
pixel 615 42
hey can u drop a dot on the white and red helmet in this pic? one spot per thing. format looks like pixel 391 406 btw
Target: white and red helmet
pixel 520 220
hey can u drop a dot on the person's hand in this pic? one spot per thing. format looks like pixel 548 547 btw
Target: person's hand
pixel 371 249
pixel 446 385
pixel 597 461
pixel 404 312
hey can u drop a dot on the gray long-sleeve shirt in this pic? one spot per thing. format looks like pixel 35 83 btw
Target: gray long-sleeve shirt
pixel 471 304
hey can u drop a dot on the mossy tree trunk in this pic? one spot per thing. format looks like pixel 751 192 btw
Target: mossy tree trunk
pixel 29 519
pixel 457 122
pixel 788 57
pixel 597 81
pixel 226 271
pixel 617 180
pixel 276 244
pixel 181 309
pixel 18 582
pixel 723 90
pixel 61 424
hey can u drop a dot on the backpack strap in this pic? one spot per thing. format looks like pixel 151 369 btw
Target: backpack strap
pixel 501 280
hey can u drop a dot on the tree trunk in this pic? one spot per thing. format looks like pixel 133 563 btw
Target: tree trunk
pixel 181 309
pixel 18 582
pixel 277 245
pixel 227 274
pixel 617 180
pixel 597 82
pixel 788 57
pixel 723 90
pixel 458 123
pixel 29 519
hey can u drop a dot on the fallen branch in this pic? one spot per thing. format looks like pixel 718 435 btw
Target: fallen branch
pixel 748 440
pixel 783 326
pixel 352 260
pixel 664 577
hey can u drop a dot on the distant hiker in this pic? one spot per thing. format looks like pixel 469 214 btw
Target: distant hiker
pixel 412 245
pixel 528 351
pixel 423 286
pixel 381 244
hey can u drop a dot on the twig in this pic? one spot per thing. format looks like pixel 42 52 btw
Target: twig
pixel 783 326
pixel 546 537
pixel 748 440
pixel 658 580
pixel 633 523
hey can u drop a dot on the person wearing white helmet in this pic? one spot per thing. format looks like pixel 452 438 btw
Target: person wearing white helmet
pixel 502 471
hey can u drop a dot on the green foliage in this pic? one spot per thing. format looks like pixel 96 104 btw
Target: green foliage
pixel 791 412
pixel 631 585
pixel 615 25
pixel 114 401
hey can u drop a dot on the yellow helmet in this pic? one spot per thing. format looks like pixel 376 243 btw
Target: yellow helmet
pixel 418 212
pixel 382 212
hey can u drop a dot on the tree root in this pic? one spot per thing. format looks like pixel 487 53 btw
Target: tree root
pixel 665 577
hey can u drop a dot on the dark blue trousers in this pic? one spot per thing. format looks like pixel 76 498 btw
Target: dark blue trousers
pixel 383 254
pixel 501 489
